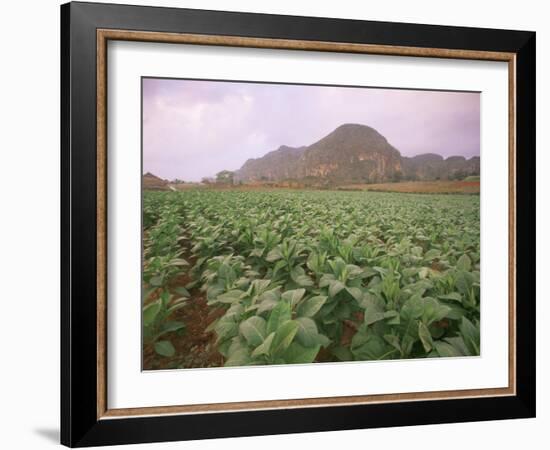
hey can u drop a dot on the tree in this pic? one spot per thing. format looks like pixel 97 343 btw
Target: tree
pixel 459 174
pixel 397 176
pixel 225 177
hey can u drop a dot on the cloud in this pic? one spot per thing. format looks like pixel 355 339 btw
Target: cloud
pixel 193 129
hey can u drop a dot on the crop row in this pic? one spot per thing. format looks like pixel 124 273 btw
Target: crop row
pixel 315 276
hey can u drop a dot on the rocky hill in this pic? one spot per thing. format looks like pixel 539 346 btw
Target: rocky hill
pixel 276 165
pixel 352 154
pixel 431 166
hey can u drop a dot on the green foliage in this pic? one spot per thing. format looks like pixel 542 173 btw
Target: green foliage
pixel 225 177
pixel 156 323
pixel 294 272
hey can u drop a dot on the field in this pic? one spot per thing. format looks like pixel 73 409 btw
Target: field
pixel 468 186
pixel 242 277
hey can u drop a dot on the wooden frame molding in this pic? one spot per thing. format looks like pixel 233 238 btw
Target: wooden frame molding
pixel 103 36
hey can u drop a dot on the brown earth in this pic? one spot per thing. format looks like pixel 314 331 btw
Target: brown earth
pixel 420 187
pixel 406 187
pixel 195 347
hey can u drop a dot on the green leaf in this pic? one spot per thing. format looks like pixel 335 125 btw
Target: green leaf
pixel 425 337
pixel 230 297
pixel 412 308
pixel 455 296
pixel 433 310
pixel 409 339
pixel 464 281
pixel 179 262
pixel 464 263
pixel 354 271
pixel 156 281
pixel 257 252
pixel 192 284
pixel 307 332
pixel 150 313
pixel 226 327
pixel 260 286
pixel 432 254
pixel 342 353
pixel 293 296
pixel 392 317
pixel 267 305
pixel 335 287
pixel 223 347
pixel 253 330
pixel 303 280
pixel 458 343
pixel 470 334
pixel 297 354
pixel 165 348
pixel 373 316
pixel 264 347
pixel 374 310
pixel 446 350
pixel 272 294
pixel 410 272
pixel 274 255
pixel 235 311
pixel 279 315
pixel 284 336
pixel 177 304
pixel 356 293
pixel 278 266
pixel 326 279
pixel 310 306
pixel 237 344
pixel 211 327
pixel 300 278
pixel 182 291
pixel 367 345
pixel 393 340
pixel 238 358
pixel 147 293
pixel 167 327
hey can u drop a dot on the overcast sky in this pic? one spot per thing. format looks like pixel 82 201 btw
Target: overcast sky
pixel 193 129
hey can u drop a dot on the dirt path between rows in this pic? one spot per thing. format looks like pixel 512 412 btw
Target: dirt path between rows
pixel 195 347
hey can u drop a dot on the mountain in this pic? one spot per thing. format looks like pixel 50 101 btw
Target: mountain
pixel 352 153
pixel 430 166
pixel 276 165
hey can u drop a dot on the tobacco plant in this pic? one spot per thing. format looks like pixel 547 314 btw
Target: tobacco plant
pixel 308 276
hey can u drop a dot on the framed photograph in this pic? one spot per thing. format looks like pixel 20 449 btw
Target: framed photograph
pixel 277 224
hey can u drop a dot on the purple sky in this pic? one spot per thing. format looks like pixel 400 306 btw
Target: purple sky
pixel 193 129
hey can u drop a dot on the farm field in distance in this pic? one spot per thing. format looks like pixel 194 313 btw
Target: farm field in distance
pixel 422 187
pixel 235 277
